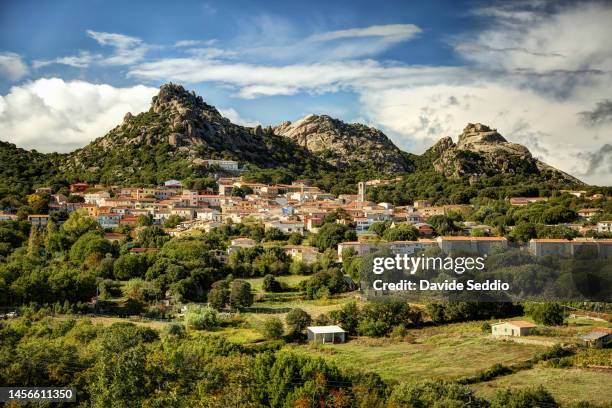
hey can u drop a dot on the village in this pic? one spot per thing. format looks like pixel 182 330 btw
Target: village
pixel 300 208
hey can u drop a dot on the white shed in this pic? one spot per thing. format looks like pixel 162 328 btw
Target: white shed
pixel 515 328
pixel 326 334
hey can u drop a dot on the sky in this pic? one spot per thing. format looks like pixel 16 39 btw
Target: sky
pixel 538 71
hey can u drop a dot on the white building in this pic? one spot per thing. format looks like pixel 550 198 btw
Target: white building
pixel 326 334
pixel 604 226
pixel 515 328
pixel 227 165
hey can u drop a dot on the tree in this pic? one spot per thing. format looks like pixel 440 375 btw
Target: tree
pixel 240 294
pixel 270 284
pixel 272 328
pixel 348 317
pixel 402 232
pixel 144 220
pixel 527 398
pixel 219 294
pixel 297 320
pixel 93 242
pixel 201 317
pixel 173 221
pixel 274 234
pixel 39 203
pixel 129 266
pixel 330 235
pixel 434 393
pixel 547 313
pixel 295 238
pixel 379 227
pixel 77 224
pixel 524 231
pixel 151 237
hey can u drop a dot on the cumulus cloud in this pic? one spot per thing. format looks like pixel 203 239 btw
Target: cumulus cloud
pixel 12 66
pixel 233 115
pixel 55 115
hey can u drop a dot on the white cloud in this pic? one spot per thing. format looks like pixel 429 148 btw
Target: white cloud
pixel 571 38
pixel 233 115
pixel 194 43
pixel 55 115
pixel 12 66
pixel 82 60
pixel 396 32
pixel 127 50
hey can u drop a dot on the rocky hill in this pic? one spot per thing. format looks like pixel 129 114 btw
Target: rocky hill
pixel 174 137
pixel 481 150
pixel 342 144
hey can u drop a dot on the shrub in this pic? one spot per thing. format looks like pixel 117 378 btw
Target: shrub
pixel 297 320
pixel 273 328
pixel 270 284
pixel 526 398
pixel 240 294
pixel 201 317
pixel 547 313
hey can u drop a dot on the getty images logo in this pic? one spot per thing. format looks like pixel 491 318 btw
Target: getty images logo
pixel 412 264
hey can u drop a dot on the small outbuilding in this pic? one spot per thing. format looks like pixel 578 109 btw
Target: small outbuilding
pixel 326 334
pixel 598 338
pixel 515 328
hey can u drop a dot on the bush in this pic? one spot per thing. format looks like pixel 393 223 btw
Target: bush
pixel 240 294
pixel 201 317
pixel 174 329
pixel 297 320
pixel 270 284
pixel 486 327
pixel 527 398
pixel 547 313
pixel 273 328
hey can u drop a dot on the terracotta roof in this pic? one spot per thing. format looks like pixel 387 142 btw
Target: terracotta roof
pixel 523 324
pixel 453 238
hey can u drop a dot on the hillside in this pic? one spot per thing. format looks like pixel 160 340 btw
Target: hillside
pixel 342 144
pixel 180 130
pixel 174 137
pixel 481 150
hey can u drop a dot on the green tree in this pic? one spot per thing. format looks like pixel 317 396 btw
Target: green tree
pixel 524 231
pixel 525 398
pixel 297 320
pixel 240 294
pixel 129 266
pixel 219 294
pixel 379 227
pixel 401 232
pixel 272 328
pixel 270 284
pixel 547 313
pixel 201 317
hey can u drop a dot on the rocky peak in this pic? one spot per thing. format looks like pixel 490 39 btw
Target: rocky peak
pixel 176 100
pixel 441 146
pixel 475 133
pixel 342 144
pixel 481 150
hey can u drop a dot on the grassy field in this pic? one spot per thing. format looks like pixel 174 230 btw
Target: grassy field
pixel 447 352
pixel 567 385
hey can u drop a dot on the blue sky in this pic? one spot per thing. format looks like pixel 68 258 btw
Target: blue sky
pixel 538 71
